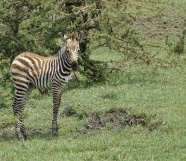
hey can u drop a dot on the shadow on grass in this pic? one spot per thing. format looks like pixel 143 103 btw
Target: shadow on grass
pixel 33 133
pixel 40 133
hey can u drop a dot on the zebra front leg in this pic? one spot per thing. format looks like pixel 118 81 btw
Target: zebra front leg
pixel 56 103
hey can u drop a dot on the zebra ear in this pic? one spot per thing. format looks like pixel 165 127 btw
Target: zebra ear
pixel 73 37
pixel 79 37
pixel 64 36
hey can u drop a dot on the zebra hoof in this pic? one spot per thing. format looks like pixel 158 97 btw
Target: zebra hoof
pixel 55 132
pixel 25 135
pixel 20 136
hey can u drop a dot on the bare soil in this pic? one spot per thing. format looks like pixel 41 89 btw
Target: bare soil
pixel 117 118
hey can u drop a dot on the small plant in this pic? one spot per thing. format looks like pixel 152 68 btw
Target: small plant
pixel 179 48
pixel 69 111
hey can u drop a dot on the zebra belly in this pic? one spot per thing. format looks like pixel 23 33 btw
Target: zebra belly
pixel 40 82
pixel 43 83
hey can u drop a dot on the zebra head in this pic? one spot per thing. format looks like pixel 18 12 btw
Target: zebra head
pixel 73 48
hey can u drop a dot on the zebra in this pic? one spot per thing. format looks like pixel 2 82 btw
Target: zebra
pixel 30 71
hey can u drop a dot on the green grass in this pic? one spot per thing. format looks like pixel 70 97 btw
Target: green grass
pixel 163 98
pixel 141 90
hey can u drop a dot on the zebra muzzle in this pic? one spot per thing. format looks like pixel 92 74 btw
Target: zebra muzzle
pixel 74 65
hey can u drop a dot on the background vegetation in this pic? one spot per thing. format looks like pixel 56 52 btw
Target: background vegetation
pixel 128 99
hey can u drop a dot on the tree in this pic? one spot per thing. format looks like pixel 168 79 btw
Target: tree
pixel 36 25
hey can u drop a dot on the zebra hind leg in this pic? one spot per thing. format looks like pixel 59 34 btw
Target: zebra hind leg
pixel 20 130
pixel 19 126
pixel 18 107
pixel 23 131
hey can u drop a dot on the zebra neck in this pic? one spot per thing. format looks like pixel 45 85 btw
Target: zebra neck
pixel 64 63
pixel 62 50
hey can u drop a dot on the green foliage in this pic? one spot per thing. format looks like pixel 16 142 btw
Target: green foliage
pixel 36 26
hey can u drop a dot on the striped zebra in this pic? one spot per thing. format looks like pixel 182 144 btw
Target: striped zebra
pixel 31 71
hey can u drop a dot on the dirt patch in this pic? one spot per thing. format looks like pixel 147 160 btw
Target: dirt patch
pixel 117 118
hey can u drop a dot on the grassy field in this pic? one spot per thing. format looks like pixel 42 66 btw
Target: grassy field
pixel 161 99
pixel 138 114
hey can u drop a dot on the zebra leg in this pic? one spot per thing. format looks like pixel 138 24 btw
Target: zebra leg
pixel 23 131
pixel 56 103
pixel 17 110
pixel 18 107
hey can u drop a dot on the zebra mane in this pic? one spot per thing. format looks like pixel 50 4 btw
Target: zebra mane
pixel 61 51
